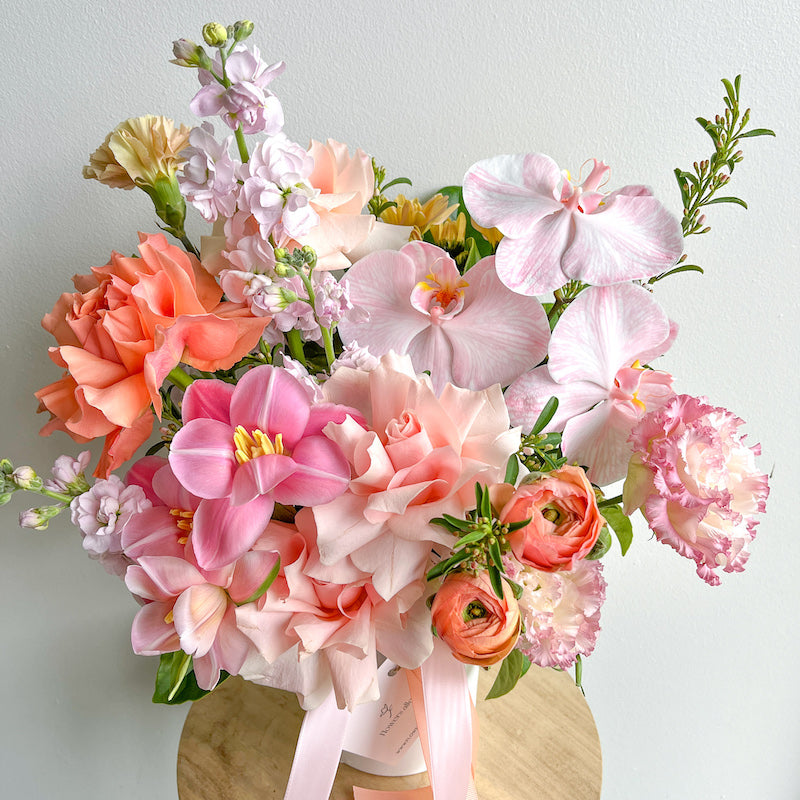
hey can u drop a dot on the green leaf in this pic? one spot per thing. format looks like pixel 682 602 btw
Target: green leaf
pixel 514 666
pixel 485 508
pixel 516 589
pixel 175 680
pixel 470 538
pixel 448 564
pixel 756 132
pixel 621 525
pixel 396 182
pixel 497 556
pixel 461 524
pixel 601 546
pixel 725 200
pixel 675 270
pixel 731 92
pixel 512 469
pixel 496 580
pixel 546 414
pixel 151 451
pixel 455 195
pixel 264 586
pixel 516 526
pixel 473 254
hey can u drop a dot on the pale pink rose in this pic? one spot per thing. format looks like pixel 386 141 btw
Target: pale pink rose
pixel 313 634
pixel 697 484
pixel 478 627
pixel 419 457
pixel 564 519
pixel 560 612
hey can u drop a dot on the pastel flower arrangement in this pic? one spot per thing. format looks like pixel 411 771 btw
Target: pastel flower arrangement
pixel 387 424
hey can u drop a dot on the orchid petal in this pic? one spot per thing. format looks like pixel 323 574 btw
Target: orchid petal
pixel 512 192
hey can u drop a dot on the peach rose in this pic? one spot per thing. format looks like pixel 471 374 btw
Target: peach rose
pixel 120 334
pixel 473 621
pixel 564 519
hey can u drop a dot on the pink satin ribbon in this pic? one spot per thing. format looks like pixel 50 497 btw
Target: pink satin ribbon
pixel 447 726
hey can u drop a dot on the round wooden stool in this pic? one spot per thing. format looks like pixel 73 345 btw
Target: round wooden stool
pixel 537 743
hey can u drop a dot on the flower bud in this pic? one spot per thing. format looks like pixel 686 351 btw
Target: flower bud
pixel 187 53
pixel 4 498
pixel 39 518
pixel 26 478
pixel 215 34
pixel 242 29
pixel 6 467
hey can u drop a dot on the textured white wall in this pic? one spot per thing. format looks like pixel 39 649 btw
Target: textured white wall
pixel 694 689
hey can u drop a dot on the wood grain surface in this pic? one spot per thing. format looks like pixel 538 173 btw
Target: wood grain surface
pixel 537 743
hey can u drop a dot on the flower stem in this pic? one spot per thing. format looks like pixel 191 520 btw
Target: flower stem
pixel 180 377
pixel 327 339
pixel 296 346
pixel 189 246
pixel 242 145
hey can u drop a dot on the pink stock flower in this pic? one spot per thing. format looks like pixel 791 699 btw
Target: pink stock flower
pixel 208 180
pixel 313 633
pixel 556 231
pixel 101 514
pixel 418 458
pixel 247 101
pixel 595 370
pixel 560 612
pixel 696 482
pixel 470 331
pixel 186 608
pixel 243 448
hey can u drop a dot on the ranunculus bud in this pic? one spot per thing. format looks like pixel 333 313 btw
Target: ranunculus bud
pixel 473 621
pixel 215 34
pixel 564 519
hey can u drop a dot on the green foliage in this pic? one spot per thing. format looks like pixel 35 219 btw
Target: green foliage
pixel 699 186
pixel 514 666
pixel 175 680
pixel 620 524
pixel 482 247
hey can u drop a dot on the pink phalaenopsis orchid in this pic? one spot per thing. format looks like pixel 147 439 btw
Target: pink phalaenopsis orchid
pixel 595 370
pixel 244 448
pixel 470 331
pixel 556 231
pixel 697 484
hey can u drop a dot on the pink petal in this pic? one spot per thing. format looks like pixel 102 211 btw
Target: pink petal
pixel 250 572
pixel 229 651
pixel 269 399
pixel 202 457
pixel 151 532
pixel 198 613
pixel 223 532
pixel 170 574
pixel 171 492
pixel 527 396
pixel 342 528
pixel 209 399
pixel 393 562
pixel 532 265
pixel 321 474
pixel 141 474
pixel 382 283
pixel 150 635
pixel 260 476
pixel 603 330
pixel 511 327
pixel 512 192
pixel 632 236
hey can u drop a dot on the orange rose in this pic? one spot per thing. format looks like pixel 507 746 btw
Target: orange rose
pixel 564 519
pixel 473 621
pixel 120 334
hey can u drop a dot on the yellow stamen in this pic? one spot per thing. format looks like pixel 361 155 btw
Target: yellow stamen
pixel 169 617
pixel 183 522
pixel 249 446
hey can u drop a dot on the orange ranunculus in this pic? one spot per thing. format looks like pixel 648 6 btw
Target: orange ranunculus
pixel 473 621
pixel 120 334
pixel 564 519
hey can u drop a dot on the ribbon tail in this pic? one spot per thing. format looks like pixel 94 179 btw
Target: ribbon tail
pixel 319 748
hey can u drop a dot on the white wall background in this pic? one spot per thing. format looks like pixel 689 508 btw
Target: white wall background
pixel 694 689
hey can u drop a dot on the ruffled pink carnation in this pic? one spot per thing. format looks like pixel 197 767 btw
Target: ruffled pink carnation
pixel 696 482
pixel 419 457
pixel 560 612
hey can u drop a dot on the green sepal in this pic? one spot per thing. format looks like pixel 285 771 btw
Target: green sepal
pixel 621 526
pixel 514 666
pixel 601 546
pixel 175 680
